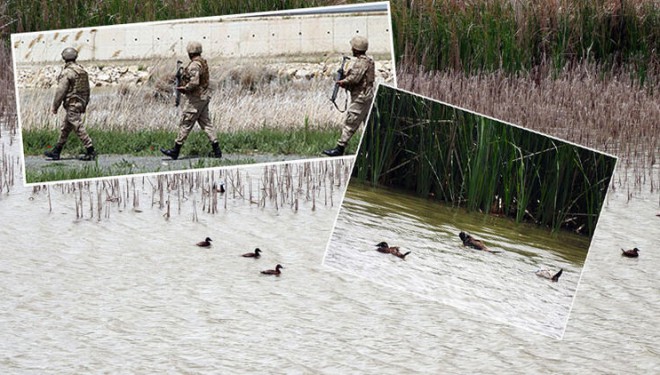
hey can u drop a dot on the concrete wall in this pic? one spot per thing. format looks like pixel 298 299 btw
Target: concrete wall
pixel 220 37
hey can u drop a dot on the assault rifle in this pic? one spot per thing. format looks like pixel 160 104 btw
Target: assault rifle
pixel 178 77
pixel 341 74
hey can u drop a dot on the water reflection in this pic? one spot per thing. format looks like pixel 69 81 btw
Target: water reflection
pixel 499 286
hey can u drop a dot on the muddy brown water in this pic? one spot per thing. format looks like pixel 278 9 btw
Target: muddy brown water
pixel 132 294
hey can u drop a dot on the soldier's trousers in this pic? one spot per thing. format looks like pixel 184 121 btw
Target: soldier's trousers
pixel 73 122
pixel 355 115
pixel 196 110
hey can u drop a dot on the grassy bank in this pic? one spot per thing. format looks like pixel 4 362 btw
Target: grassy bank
pixel 63 170
pixel 452 155
pixel 147 142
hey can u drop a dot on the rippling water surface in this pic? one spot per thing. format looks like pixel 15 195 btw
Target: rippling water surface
pixel 500 286
pixel 131 294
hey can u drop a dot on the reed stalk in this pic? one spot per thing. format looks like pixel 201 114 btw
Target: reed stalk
pixel 490 166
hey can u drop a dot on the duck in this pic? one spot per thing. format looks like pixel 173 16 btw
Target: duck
pixel 630 253
pixel 397 253
pixel 220 189
pixel 548 275
pixel 383 247
pixel 205 243
pixel 254 255
pixel 472 242
pixel 275 272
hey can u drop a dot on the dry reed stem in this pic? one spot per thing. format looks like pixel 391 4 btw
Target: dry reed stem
pixel 609 114
pixel 281 104
pixel 284 185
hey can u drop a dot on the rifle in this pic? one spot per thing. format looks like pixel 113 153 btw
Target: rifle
pixel 178 77
pixel 341 74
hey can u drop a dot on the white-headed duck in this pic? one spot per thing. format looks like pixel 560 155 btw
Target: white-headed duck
pixel 220 189
pixel 394 250
pixel 205 243
pixel 549 275
pixel 630 253
pixel 275 272
pixel 254 255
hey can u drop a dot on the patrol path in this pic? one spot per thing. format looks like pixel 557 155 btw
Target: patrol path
pixel 41 169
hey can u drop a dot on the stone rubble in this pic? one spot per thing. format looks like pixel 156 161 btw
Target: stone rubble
pixel 106 75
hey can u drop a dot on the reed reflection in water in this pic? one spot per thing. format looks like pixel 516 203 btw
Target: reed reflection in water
pixel 500 286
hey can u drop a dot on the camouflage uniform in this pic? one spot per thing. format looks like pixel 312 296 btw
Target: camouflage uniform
pixel 359 81
pixel 73 94
pixel 195 85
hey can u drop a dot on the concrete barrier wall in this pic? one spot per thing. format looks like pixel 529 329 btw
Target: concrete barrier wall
pixel 220 37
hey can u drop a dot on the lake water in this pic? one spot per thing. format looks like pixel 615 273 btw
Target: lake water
pixel 500 286
pixel 132 294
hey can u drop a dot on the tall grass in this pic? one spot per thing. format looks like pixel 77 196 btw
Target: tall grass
pixel 275 103
pixel 528 36
pixel 601 110
pixel 44 15
pixel 470 160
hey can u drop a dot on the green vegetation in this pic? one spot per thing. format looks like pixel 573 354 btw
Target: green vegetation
pixel 47 15
pixel 516 37
pixel 147 142
pixel 469 160
pixel 72 170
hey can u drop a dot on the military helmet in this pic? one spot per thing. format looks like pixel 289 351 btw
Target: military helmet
pixel 69 54
pixel 194 47
pixel 360 43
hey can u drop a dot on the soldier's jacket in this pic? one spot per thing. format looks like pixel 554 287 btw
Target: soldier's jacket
pixel 72 87
pixel 196 78
pixel 360 77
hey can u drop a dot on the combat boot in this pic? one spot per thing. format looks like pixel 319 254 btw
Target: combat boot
pixel 217 153
pixel 337 151
pixel 54 154
pixel 90 154
pixel 174 152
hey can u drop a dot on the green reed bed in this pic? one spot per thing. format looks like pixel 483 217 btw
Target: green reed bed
pixel 522 36
pixel 45 15
pixel 586 105
pixel 469 160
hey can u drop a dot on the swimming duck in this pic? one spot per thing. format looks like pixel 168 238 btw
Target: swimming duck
pixel 220 189
pixel 630 253
pixel 253 255
pixel 383 248
pixel 548 275
pixel 472 242
pixel 205 243
pixel 394 250
pixel 275 272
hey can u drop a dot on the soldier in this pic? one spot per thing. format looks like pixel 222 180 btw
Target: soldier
pixel 73 94
pixel 195 85
pixel 359 82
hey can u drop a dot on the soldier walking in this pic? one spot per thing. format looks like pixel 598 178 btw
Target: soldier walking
pixel 195 86
pixel 359 82
pixel 73 94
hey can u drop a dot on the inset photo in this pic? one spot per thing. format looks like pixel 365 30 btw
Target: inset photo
pixel 470 211
pixel 198 93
